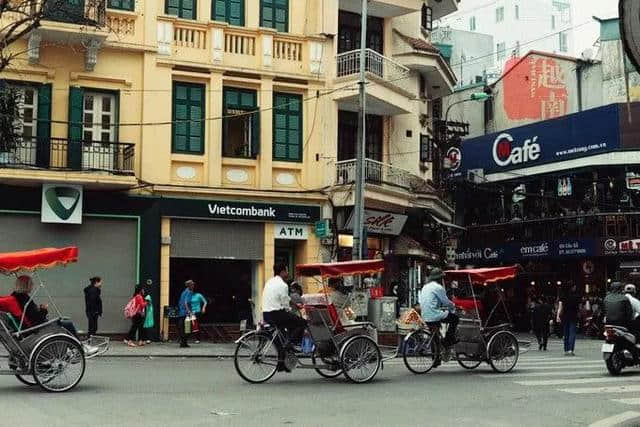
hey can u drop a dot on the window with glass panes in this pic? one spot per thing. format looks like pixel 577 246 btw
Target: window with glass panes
pixel 188 118
pixel 121 4
pixel 500 14
pixel 99 117
pixel 287 127
pixel 241 125
pixel 275 14
pixel 182 8
pixel 27 123
pixel 231 11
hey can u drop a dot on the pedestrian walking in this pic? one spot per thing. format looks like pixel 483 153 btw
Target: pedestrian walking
pixel 199 308
pixel 135 310
pixel 542 312
pixel 184 309
pixel 149 322
pixel 568 316
pixel 93 303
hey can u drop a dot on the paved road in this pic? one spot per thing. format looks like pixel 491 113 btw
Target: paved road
pixel 547 389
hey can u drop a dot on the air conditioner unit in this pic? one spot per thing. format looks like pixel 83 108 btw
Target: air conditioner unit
pixel 475 175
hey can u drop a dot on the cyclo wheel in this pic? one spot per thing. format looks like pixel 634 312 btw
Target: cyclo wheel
pixel 469 364
pixel 360 358
pixel 418 352
pixel 58 364
pixel 256 357
pixel 326 373
pixel 27 379
pixel 503 352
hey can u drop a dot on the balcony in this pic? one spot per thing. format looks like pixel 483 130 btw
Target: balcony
pixel 63 155
pixel 241 49
pixel 379 173
pixel 386 95
pixel 383 8
pixel 442 8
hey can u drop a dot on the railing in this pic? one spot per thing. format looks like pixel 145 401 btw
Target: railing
pixel 239 44
pixel 348 63
pixel 287 50
pixel 62 154
pixel 87 12
pixel 376 173
pixel 185 36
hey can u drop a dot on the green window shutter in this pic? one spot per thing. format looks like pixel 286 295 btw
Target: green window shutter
pixel 255 133
pixel 275 14
pixel 43 132
pixel 121 4
pixel 219 10
pixel 235 12
pixel 182 8
pixel 246 100
pixel 74 143
pixel 287 127
pixel 188 118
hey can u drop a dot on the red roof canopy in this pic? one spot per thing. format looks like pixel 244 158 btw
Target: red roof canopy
pixel 339 269
pixel 12 262
pixel 484 275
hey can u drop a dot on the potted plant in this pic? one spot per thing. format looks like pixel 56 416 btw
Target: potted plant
pixel 9 123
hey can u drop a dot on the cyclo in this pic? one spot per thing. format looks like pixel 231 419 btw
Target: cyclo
pixel 338 347
pixel 47 355
pixel 481 339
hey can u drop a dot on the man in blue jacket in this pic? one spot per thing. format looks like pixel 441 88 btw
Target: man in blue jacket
pixel 437 307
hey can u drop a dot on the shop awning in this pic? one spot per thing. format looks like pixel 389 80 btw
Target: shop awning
pixel 447 224
pixel 36 259
pixel 407 246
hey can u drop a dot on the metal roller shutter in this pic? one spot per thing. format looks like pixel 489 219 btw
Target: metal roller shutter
pixel 217 239
pixel 107 247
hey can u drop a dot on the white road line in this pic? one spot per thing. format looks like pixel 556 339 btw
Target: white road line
pixel 567 381
pixel 555 368
pixel 632 401
pixel 597 390
pixel 568 363
pixel 616 419
pixel 544 359
pixel 545 374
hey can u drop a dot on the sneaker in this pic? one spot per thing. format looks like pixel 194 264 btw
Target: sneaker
pixel 147 342
pixel 571 353
pixel 197 342
pixel 567 353
pixel 90 350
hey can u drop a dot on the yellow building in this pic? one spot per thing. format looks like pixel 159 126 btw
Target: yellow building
pixel 207 137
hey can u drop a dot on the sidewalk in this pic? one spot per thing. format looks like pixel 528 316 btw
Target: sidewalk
pixel 171 349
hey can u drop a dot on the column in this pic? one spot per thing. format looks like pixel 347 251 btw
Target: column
pixel 165 258
pixel 266 134
pixel 215 130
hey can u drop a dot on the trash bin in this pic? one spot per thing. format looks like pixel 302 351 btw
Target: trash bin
pixel 382 313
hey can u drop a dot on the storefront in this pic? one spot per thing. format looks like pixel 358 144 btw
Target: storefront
pixel 228 248
pixel 116 236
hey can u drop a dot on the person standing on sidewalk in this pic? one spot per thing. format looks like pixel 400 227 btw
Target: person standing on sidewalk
pixel 541 317
pixel 184 307
pixel 568 315
pixel 199 307
pixel 93 303
pixel 148 319
pixel 137 321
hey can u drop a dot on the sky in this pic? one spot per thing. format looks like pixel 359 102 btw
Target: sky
pixel 586 35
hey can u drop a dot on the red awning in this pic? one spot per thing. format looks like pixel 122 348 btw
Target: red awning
pixel 340 269
pixel 39 258
pixel 484 275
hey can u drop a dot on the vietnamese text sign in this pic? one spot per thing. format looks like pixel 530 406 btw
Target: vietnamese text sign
pixel 291 232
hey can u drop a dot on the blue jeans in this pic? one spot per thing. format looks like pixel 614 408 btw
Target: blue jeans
pixel 569 328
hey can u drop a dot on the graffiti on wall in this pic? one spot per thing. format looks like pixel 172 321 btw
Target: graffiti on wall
pixel 535 88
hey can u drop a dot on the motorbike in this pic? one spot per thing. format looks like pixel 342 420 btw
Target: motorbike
pixel 620 349
pixel 593 326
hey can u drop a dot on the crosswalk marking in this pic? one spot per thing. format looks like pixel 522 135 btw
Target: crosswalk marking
pixel 597 390
pixel 594 371
pixel 632 401
pixel 568 381
pixel 616 419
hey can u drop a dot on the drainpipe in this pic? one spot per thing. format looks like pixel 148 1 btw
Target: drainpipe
pixel 579 67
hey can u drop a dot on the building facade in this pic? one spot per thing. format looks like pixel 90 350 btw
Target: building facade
pixel 206 138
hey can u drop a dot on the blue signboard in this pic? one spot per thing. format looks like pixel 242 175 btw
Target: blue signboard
pixel 517 252
pixel 573 136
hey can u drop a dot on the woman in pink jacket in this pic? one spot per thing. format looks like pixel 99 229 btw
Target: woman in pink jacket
pixel 137 321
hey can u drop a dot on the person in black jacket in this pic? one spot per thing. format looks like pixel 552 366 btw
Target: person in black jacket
pixel 541 316
pixel 93 303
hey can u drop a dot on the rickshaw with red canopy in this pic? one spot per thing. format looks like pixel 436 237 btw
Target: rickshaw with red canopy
pixel 338 347
pixel 484 331
pixel 47 354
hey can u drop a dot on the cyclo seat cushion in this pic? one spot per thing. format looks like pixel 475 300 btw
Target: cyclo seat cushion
pixel 9 304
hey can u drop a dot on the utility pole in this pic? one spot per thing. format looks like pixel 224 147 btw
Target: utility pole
pixel 358 206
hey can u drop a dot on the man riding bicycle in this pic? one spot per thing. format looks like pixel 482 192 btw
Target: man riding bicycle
pixel 437 307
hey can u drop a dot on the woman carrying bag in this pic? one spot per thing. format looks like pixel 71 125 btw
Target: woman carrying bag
pixel 135 310
pixel 148 319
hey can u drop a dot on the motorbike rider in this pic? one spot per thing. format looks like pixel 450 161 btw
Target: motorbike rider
pixel 437 307
pixel 617 308
pixel 630 292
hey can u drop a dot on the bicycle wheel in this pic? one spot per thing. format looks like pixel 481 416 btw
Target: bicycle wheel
pixel 323 372
pixel 418 352
pixel 360 358
pixel 469 364
pixel 58 364
pixel 503 351
pixel 256 357
pixel 27 379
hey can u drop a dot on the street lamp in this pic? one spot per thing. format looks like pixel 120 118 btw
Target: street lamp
pixel 476 96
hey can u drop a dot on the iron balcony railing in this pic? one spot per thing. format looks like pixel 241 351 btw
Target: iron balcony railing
pixel 63 154
pixel 379 173
pixel 81 12
pixel 379 65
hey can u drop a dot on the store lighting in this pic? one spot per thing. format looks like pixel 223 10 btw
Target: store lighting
pixel 533 283
pixel 586 288
pixel 559 283
pixel 608 280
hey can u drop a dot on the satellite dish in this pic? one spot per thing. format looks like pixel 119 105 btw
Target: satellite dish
pixel 587 55
pixel 629 12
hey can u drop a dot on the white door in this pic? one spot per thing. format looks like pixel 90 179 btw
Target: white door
pixel 26 126
pixel 99 131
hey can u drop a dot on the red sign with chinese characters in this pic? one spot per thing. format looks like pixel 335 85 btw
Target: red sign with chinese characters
pixel 534 88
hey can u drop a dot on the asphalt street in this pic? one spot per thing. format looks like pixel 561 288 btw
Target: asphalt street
pixel 546 389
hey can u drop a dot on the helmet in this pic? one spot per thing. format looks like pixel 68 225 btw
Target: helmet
pixel 630 289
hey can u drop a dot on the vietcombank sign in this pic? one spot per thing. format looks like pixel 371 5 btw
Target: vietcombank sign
pixel 61 204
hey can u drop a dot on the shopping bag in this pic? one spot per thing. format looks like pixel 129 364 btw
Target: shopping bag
pixel 187 325
pixel 307 344
pixel 195 325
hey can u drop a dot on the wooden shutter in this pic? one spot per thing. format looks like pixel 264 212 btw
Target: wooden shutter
pixel 43 132
pixel 235 12
pixel 255 133
pixel 188 115
pixel 275 14
pixel 74 143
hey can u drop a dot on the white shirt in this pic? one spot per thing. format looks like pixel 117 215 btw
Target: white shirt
pixel 635 304
pixel 275 295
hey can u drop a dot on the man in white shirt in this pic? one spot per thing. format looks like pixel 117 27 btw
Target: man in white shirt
pixel 276 303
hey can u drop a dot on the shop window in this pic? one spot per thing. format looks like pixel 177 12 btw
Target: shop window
pixel 99 117
pixel 121 4
pixel 427 17
pixel 275 14
pixel 188 118
pixel 231 11
pixel 287 127
pixel 241 134
pixel 182 8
